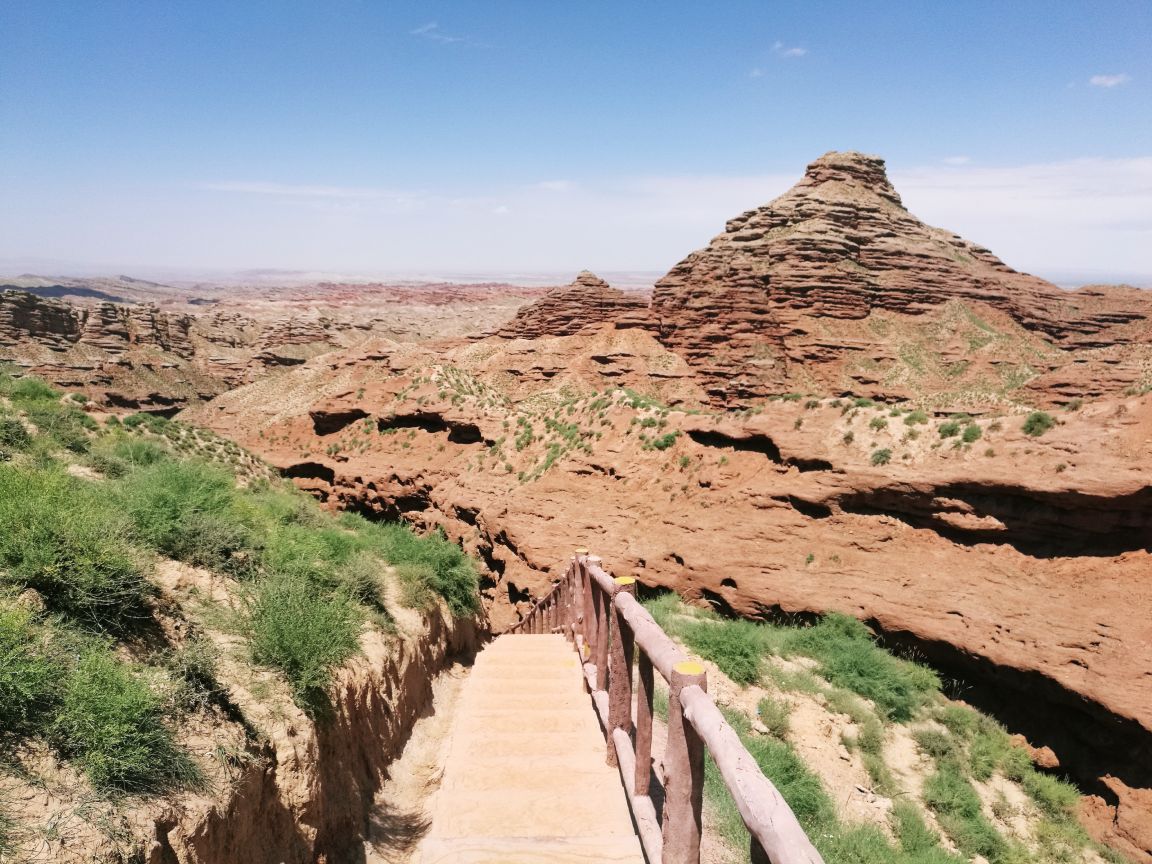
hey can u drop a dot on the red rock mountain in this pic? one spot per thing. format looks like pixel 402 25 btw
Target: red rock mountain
pixel 586 301
pixel 817 289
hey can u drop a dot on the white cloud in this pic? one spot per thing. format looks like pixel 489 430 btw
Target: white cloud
pixel 756 72
pixel 556 185
pixel 432 31
pixel 782 50
pixel 956 160
pixel 501 210
pixel 1109 81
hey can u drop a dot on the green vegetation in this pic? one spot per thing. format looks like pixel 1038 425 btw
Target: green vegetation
pixel 82 551
pixel 881 457
pixel 913 418
pixel 875 690
pixel 878 423
pixel 949 429
pixel 304 633
pixel 972 433
pixel 112 723
pixel 1037 423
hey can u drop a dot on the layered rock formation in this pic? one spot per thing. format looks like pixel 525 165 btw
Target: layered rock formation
pixel 803 291
pixel 587 301
pixel 1016 564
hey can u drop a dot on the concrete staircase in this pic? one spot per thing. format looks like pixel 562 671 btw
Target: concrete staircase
pixel 525 778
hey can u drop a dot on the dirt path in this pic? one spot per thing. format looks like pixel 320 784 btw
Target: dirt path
pixel 399 818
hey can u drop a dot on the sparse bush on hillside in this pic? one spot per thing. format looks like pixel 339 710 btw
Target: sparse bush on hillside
pixel 13 434
pixel 59 536
pixel 850 658
pixel 915 417
pixel 28 678
pixel 878 423
pixel 972 433
pixel 304 633
pixel 1038 422
pixel 881 457
pixel 111 723
pixel 949 429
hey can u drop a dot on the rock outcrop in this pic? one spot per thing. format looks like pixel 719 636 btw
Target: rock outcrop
pixel 803 291
pixel 1017 564
pixel 588 301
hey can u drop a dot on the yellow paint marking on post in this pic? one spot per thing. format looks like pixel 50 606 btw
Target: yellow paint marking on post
pixel 624 580
pixel 689 667
pixel 581 551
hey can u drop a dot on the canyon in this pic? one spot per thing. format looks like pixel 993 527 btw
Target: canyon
pixel 829 407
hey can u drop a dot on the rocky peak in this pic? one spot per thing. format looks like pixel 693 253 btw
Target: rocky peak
pixel 587 301
pixel 754 311
pixel 852 172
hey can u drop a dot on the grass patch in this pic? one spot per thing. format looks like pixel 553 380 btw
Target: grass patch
pixel 59 536
pixel 303 633
pixel 738 647
pixel 111 723
pixel 850 658
pixel 29 679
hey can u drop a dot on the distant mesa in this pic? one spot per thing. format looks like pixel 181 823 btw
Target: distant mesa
pixel 587 301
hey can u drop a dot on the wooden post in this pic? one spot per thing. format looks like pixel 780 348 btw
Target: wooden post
pixel 589 610
pixel 620 681
pixel 600 653
pixel 644 693
pixel 683 771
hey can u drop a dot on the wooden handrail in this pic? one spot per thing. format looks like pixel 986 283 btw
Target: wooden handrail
pixel 610 630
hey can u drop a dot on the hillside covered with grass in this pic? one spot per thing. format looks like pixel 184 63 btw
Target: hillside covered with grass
pixel 915 777
pixel 101 674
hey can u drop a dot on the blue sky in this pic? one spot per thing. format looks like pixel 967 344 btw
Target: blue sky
pixel 361 135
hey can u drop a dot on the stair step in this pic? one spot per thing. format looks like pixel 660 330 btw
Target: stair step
pixel 531 850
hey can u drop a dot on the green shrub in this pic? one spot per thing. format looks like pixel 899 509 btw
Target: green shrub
pixel 13 434
pixel 877 423
pixel 849 658
pixel 736 646
pixel 934 743
pixel 665 441
pixel 972 433
pixel 1037 423
pixel 188 511
pixel 28 678
pixel 881 457
pixel 1053 796
pixel 112 725
pixel 949 429
pixel 448 571
pixel 59 536
pixel 26 390
pixel 66 426
pixel 303 633
pixel 774 714
pixel 915 417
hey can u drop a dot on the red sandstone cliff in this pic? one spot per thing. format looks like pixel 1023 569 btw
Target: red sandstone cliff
pixel 587 301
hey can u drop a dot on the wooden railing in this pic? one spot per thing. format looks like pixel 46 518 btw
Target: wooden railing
pixel 602 618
